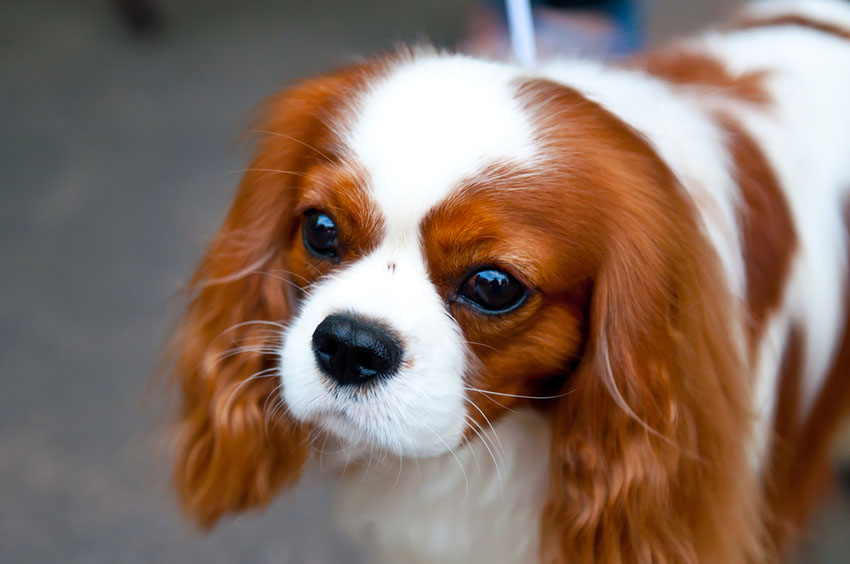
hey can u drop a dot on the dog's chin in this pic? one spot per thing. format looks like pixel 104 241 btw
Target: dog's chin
pixel 376 423
pixel 356 436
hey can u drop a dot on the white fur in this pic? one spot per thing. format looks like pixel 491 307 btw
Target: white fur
pixel 809 75
pixel 481 507
pixel 429 125
pixel 436 120
pixel 418 412
pixel 419 132
pixel 831 12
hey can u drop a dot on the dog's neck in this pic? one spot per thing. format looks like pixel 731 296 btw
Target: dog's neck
pixel 481 503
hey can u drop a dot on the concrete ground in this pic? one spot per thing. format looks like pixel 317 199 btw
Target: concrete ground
pixel 116 156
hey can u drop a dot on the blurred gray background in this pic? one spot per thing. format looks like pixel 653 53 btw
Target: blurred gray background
pixel 116 154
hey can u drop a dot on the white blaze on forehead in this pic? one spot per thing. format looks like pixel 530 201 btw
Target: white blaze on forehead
pixel 429 124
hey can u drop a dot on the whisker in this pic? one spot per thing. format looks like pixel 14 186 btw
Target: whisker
pixel 280 409
pixel 290 273
pixel 466 420
pixel 495 442
pixel 282 279
pixel 270 414
pixel 293 139
pixel 494 349
pixel 459 463
pixel 267 373
pixel 247 323
pixel 269 339
pixel 272 170
pixel 493 429
pixel 479 431
pixel 322 453
pixel 369 464
pixel 488 392
pixel 503 406
pixel 400 467
pixel 346 462
pixel 314 267
pixel 340 450
pixel 224 355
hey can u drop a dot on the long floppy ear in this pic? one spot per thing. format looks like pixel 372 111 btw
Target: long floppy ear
pixel 235 445
pixel 649 455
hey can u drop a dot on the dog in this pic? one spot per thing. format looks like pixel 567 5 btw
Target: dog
pixel 571 313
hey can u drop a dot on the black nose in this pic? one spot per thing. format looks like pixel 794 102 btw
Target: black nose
pixel 353 350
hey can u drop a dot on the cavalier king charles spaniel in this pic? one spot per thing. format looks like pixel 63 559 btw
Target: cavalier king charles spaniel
pixel 569 314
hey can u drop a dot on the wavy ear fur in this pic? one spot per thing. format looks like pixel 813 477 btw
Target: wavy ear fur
pixel 648 459
pixel 235 445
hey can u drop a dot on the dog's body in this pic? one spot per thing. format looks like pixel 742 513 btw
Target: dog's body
pixel 697 407
pixel 493 523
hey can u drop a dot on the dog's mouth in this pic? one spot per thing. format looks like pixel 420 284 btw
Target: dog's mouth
pixel 373 424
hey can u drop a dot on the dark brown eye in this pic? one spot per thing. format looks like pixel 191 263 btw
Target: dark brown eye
pixel 493 291
pixel 320 235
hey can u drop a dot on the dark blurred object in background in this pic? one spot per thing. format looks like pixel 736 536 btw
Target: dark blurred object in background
pixel 594 28
pixel 141 17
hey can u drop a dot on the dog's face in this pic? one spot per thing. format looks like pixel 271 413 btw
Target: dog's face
pixel 429 235
pixel 432 268
pixel 423 244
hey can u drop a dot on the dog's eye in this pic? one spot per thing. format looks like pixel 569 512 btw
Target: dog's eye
pixel 493 291
pixel 320 235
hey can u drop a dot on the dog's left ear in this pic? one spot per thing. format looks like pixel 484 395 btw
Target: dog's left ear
pixel 649 457
pixel 236 447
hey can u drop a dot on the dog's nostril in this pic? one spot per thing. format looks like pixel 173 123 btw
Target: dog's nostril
pixel 328 347
pixel 354 350
pixel 365 359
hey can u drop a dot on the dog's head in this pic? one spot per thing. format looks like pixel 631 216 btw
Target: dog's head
pixel 422 244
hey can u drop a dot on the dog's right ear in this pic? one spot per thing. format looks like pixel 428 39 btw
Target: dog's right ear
pixel 649 459
pixel 236 447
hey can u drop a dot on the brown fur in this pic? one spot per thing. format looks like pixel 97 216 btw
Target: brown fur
pixel 768 232
pixel 786 433
pixel 801 461
pixel 235 446
pixel 769 242
pixel 486 224
pixel 794 20
pixel 686 67
pixel 648 460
